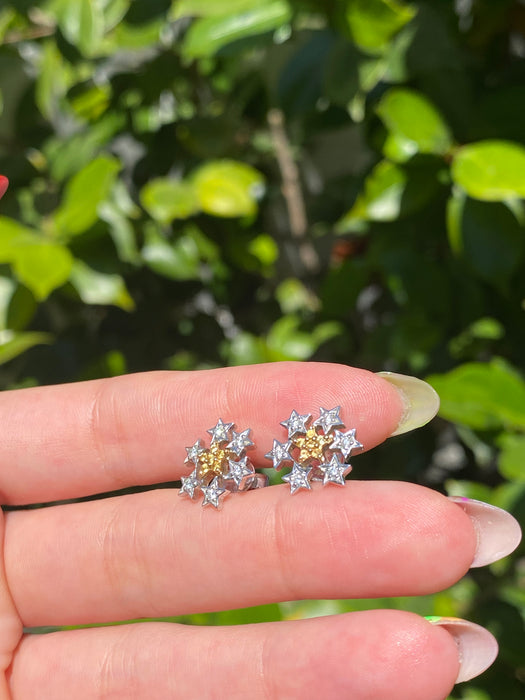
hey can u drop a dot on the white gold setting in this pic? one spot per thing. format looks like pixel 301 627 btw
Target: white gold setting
pixel 222 468
pixel 316 450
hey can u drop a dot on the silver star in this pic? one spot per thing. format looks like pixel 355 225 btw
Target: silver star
pixel 328 418
pixel 240 442
pixel 335 471
pixel 212 493
pixel 345 442
pixel 189 484
pixel 280 452
pixel 296 423
pixel 239 471
pixel 298 478
pixel 194 452
pixel 221 432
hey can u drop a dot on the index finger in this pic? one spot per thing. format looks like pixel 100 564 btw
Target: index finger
pixel 74 440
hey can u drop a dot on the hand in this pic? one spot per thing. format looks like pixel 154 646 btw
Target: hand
pixel 153 554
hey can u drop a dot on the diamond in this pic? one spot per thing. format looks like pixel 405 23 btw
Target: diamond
pixel 298 478
pixel 296 423
pixel 279 453
pixel 328 418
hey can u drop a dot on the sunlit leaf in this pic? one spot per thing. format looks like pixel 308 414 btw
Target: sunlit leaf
pixel 42 266
pixel 82 23
pixel 166 199
pixel 178 261
pixel 390 192
pixel 491 170
pixel 209 34
pixel 13 344
pixel 211 8
pixel 228 188
pixel 96 287
pixel 414 123
pixel 482 396
pixel 83 194
pixel 511 462
pixel 373 23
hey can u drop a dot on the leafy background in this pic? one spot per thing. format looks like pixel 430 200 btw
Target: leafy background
pixel 200 183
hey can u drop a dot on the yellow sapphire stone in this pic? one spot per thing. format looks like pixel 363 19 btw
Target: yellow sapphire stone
pixel 214 461
pixel 312 445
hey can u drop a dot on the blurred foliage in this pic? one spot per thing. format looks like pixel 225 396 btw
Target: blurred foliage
pixel 201 182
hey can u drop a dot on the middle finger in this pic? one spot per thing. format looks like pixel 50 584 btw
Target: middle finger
pixel 153 554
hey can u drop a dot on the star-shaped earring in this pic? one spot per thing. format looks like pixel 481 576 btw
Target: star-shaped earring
pixel 328 419
pixel 335 471
pixel 190 484
pixel 194 452
pixel 296 423
pixel 221 432
pixel 280 453
pixel 239 471
pixel 317 450
pixel 213 493
pixel 298 478
pixel 221 468
pixel 240 442
pixel 345 442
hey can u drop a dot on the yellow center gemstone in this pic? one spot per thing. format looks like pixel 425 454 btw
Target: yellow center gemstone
pixel 312 445
pixel 213 461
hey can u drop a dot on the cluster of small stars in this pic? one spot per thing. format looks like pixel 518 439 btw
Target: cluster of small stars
pixel 316 451
pixel 221 468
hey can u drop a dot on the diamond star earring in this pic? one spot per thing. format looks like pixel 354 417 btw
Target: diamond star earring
pixel 222 468
pixel 316 451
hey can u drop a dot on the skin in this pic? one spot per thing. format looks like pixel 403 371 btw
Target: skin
pixel 153 554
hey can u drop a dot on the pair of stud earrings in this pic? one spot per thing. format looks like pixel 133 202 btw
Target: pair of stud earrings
pixel 316 450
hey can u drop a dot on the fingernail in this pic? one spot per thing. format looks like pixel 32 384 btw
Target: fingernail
pixel 419 398
pixel 498 532
pixel 477 647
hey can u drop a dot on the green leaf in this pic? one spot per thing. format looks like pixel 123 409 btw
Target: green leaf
pixel 165 199
pixel 67 157
pixel 414 123
pixel 13 344
pixel 491 170
pixel 12 235
pixel 177 261
pixel 82 23
pixel 7 289
pixel 227 188
pixel 95 287
pixel 390 192
pixel 17 305
pixel 83 195
pixel 247 349
pixel 373 23
pixel 210 8
pixel 121 231
pixel 286 341
pixel 512 457
pixel 42 266
pixel 483 396
pixel 206 36
pixel 487 235
pixel 55 76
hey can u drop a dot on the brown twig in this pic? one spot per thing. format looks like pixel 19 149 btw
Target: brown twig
pixel 16 37
pixel 292 192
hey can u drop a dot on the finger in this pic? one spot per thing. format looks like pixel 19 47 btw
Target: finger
pixel 73 440
pixel 385 655
pixel 10 623
pixel 153 554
